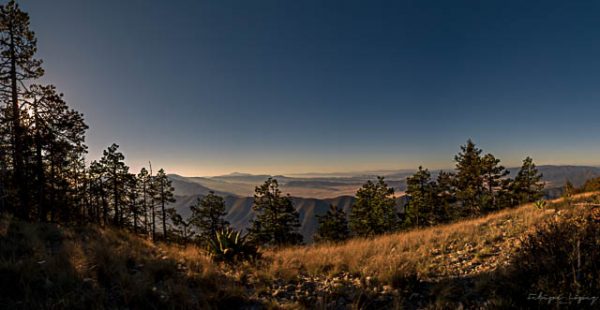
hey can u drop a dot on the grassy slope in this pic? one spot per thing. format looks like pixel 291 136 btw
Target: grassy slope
pixel 465 263
pixel 48 266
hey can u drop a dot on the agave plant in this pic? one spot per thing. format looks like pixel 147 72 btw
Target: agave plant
pixel 540 204
pixel 230 246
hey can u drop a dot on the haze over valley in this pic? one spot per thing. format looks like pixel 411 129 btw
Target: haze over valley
pixel 312 195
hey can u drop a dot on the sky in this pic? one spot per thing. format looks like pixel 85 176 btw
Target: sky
pixel 271 86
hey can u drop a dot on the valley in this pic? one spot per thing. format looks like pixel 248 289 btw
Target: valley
pixel 312 195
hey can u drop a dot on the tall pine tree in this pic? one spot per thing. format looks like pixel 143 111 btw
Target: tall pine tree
pixel 164 197
pixel 116 173
pixel 18 46
pixel 469 179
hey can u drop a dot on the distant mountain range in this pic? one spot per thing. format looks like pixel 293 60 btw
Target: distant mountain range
pixel 312 195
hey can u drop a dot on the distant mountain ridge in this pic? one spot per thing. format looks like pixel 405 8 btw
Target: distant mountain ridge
pixel 243 184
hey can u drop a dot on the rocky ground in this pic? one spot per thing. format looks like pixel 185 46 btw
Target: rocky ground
pixel 457 261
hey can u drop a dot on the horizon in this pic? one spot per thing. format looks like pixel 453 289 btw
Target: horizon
pixel 342 174
pixel 206 88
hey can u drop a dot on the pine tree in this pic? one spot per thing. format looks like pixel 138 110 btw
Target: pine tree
pixel 17 66
pixel 208 215
pixel 5 151
pixel 374 211
pixel 528 185
pixel 421 206
pixel 445 196
pixel 153 190
pixel 144 195
pixel 165 196
pixel 493 174
pixel 97 191
pixel 58 135
pixel 469 178
pixel 276 222
pixel 181 227
pixel 116 173
pixel 333 226
pixel 133 199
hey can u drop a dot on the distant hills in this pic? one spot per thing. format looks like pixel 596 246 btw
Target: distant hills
pixel 312 195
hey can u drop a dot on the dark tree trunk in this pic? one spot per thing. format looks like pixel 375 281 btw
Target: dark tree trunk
pixel 162 205
pixel 116 198
pixel 153 222
pixel 19 177
pixel 39 170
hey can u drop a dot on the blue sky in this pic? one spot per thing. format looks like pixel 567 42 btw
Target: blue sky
pixel 211 87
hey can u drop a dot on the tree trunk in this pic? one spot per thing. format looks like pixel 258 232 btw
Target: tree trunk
pixel 153 222
pixel 135 219
pixel 39 169
pixel 104 204
pixel 116 197
pixel 144 206
pixel 19 177
pixel 162 205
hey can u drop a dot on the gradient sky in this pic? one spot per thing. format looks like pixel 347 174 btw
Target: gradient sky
pixel 211 87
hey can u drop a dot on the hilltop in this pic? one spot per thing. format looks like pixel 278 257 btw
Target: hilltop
pixel 484 261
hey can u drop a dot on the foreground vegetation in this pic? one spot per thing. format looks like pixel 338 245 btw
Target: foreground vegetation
pixel 496 260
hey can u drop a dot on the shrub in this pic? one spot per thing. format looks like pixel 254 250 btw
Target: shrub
pixel 562 257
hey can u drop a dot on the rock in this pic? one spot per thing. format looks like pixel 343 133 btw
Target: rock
pixel 277 293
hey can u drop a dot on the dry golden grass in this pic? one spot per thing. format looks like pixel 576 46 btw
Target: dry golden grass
pixel 49 266
pixel 463 248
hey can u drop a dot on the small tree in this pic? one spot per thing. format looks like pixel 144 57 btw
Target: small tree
pixel 493 174
pixel 276 222
pixel 164 197
pixel 445 196
pixel 421 206
pixel 568 192
pixel 181 227
pixel 527 186
pixel 333 226
pixel 374 211
pixel 208 215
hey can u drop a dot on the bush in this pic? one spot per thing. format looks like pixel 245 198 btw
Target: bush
pixel 562 257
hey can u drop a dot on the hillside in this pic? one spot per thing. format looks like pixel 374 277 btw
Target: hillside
pixel 493 261
pixel 239 210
